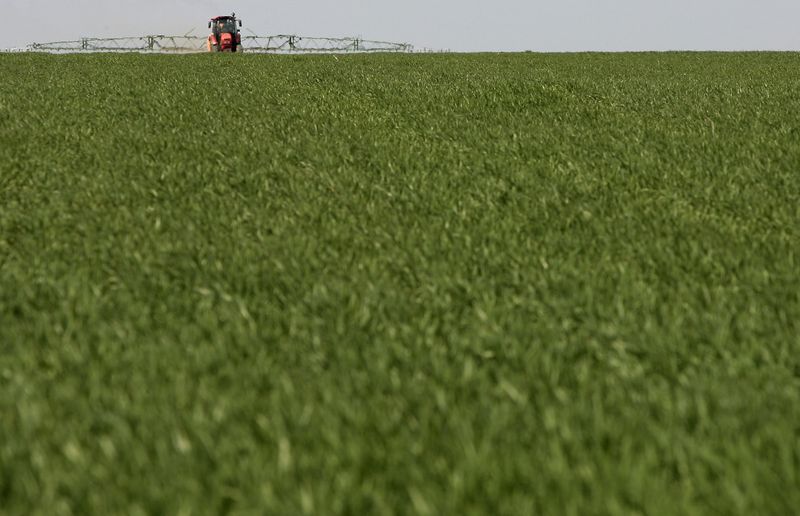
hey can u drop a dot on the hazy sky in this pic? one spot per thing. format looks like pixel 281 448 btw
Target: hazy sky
pixel 460 25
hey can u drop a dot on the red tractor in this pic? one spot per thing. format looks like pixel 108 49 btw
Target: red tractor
pixel 225 35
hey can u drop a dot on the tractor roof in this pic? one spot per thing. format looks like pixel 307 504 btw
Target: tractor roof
pixel 217 18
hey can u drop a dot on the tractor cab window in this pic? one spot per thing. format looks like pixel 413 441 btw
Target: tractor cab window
pixel 226 26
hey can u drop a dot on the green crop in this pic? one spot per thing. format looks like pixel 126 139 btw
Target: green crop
pixel 410 284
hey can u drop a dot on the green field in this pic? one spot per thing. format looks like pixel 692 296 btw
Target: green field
pixel 409 284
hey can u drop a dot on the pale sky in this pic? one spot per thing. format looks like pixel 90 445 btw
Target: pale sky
pixel 458 25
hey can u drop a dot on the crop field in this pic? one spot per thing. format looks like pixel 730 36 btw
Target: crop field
pixel 400 284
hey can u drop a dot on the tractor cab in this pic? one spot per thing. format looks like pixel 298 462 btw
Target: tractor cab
pixel 225 34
